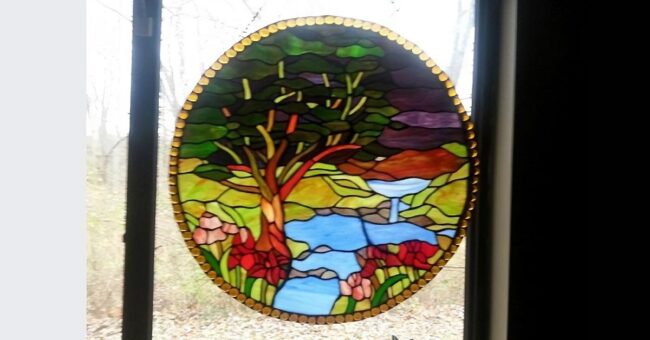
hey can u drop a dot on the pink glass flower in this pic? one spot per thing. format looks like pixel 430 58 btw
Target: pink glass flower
pixel 356 286
pixel 211 230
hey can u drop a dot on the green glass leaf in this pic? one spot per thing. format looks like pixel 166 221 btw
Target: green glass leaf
pixel 304 136
pixel 351 304
pixel 254 106
pixel 313 63
pixel 381 291
pixel 232 126
pixel 213 172
pixel 377 102
pixel 201 150
pixel 222 87
pixel 337 125
pixel 215 175
pixel 316 91
pixel 214 100
pixel 377 118
pixel 210 167
pixel 249 286
pixel 197 133
pixel 211 260
pixel 363 126
pixel 370 133
pixel 373 94
pixel 223 266
pixel 294 108
pixel 361 65
pixel 357 51
pixel 209 115
pixel 265 53
pixel 386 110
pixel 339 93
pixel 314 128
pixel 252 119
pixel 294 84
pixel 326 114
pixel 267 93
pixel 292 45
pixel 251 69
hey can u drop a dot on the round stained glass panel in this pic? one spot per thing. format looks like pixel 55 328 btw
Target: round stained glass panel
pixel 323 170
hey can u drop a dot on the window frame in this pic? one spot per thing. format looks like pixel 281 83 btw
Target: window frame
pixel 142 169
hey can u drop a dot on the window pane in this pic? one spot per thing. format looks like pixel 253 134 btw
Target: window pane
pixel 187 304
pixel 108 84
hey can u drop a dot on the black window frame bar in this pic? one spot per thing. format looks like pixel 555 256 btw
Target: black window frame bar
pixel 142 157
pixel 137 315
pixel 489 42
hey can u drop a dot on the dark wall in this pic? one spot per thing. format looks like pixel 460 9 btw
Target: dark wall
pixel 547 173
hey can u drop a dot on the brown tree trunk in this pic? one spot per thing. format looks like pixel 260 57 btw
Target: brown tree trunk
pixel 272 227
pixel 272 216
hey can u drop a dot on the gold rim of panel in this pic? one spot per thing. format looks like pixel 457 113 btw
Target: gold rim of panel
pixel 239 47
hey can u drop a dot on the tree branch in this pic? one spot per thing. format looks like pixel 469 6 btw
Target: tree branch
pixel 255 172
pixel 261 156
pixel 238 167
pixel 122 15
pixel 293 181
pixel 287 168
pixel 272 165
pixel 270 120
pixel 270 146
pixel 229 151
pixel 239 187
